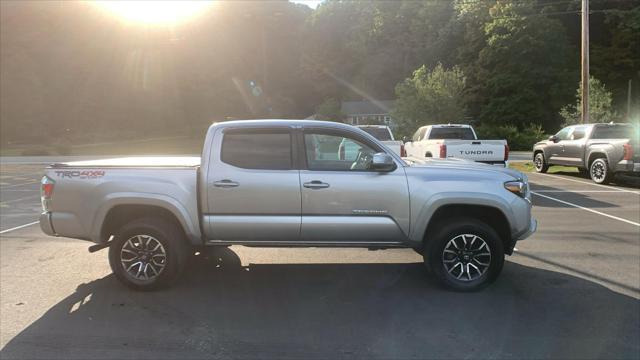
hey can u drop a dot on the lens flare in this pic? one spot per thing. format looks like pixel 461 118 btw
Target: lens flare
pixel 152 12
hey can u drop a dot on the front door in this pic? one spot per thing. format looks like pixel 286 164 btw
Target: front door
pixel 253 188
pixel 555 150
pixel 345 203
pixel 574 146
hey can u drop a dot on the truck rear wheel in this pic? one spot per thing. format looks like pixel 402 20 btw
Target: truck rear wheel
pixel 465 254
pixel 148 254
pixel 600 172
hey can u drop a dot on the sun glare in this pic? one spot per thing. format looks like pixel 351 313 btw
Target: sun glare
pixel 154 11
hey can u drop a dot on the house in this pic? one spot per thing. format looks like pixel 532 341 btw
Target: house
pixel 368 112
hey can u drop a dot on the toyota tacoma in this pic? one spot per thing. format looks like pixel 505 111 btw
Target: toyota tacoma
pixel 283 183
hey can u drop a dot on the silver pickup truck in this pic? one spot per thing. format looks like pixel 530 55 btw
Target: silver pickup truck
pixel 597 150
pixel 282 183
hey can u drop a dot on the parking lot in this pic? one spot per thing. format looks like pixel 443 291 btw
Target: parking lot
pixel 572 290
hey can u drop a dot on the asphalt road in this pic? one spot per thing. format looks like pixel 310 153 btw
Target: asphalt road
pixel 570 291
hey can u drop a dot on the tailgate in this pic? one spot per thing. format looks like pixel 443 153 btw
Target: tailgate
pixel 394 145
pixel 476 150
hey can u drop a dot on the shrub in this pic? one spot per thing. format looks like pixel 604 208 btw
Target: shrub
pixel 518 139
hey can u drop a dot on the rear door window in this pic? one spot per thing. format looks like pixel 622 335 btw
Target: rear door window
pixel 257 149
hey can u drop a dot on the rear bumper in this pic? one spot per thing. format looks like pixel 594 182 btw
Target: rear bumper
pixel 46 225
pixel 496 163
pixel 628 166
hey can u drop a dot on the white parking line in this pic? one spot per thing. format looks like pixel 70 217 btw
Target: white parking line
pixel 18 190
pixel 19 199
pixel 589 183
pixel 16 185
pixel 582 191
pixel 587 209
pixel 18 227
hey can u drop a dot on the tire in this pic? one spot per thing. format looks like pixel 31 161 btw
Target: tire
pixel 600 172
pixel 540 163
pixel 158 244
pixel 454 270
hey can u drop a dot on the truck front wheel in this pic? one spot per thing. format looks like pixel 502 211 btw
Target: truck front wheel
pixel 465 254
pixel 540 163
pixel 148 254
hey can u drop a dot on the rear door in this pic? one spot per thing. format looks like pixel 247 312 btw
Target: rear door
pixel 345 203
pixel 253 187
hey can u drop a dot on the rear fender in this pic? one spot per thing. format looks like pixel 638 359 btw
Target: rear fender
pixel 192 230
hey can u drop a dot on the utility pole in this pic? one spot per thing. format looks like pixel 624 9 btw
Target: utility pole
pixel 585 61
pixel 629 102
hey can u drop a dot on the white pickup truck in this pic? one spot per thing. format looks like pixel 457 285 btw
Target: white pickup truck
pixel 384 134
pixel 349 150
pixel 456 141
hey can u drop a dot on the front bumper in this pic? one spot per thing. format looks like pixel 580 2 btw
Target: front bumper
pixel 533 226
pixel 46 225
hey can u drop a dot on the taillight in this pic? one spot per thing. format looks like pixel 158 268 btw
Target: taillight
pixel 506 152
pixel 46 192
pixel 443 151
pixel 403 152
pixel 628 152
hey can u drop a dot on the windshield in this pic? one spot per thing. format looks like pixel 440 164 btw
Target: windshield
pixel 452 133
pixel 381 134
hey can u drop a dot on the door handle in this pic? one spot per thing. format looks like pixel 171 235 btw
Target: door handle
pixel 226 183
pixel 316 184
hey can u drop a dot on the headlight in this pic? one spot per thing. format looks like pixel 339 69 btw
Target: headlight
pixel 517 187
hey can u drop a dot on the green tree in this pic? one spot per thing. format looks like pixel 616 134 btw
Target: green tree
pixel 600 109
pixel 519 61
pixel 429 97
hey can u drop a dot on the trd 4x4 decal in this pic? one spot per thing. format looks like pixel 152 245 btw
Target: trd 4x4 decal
pixel 81 174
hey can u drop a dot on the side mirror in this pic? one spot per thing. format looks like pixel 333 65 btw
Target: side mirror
pixel 406 139
pixel 382 162
pixel 553 138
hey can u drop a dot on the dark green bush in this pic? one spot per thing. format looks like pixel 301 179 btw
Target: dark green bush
pixel 518 139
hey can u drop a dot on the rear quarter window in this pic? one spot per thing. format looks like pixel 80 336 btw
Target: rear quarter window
pixel 615 132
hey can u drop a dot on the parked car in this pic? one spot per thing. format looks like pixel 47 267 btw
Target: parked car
pixel 281 183
pixel 456 141
pixel 597 150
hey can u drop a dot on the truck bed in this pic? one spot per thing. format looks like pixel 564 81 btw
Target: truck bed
pixel 141 161
pixel 85 190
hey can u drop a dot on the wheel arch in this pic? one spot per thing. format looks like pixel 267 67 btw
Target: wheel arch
pixel 119 210
pixel 492 215
pixel 596 154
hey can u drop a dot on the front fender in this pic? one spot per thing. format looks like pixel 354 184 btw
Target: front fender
pixel 187 220
pixel 439 200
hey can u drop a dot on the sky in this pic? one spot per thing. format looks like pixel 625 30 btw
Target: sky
pixel 310 3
